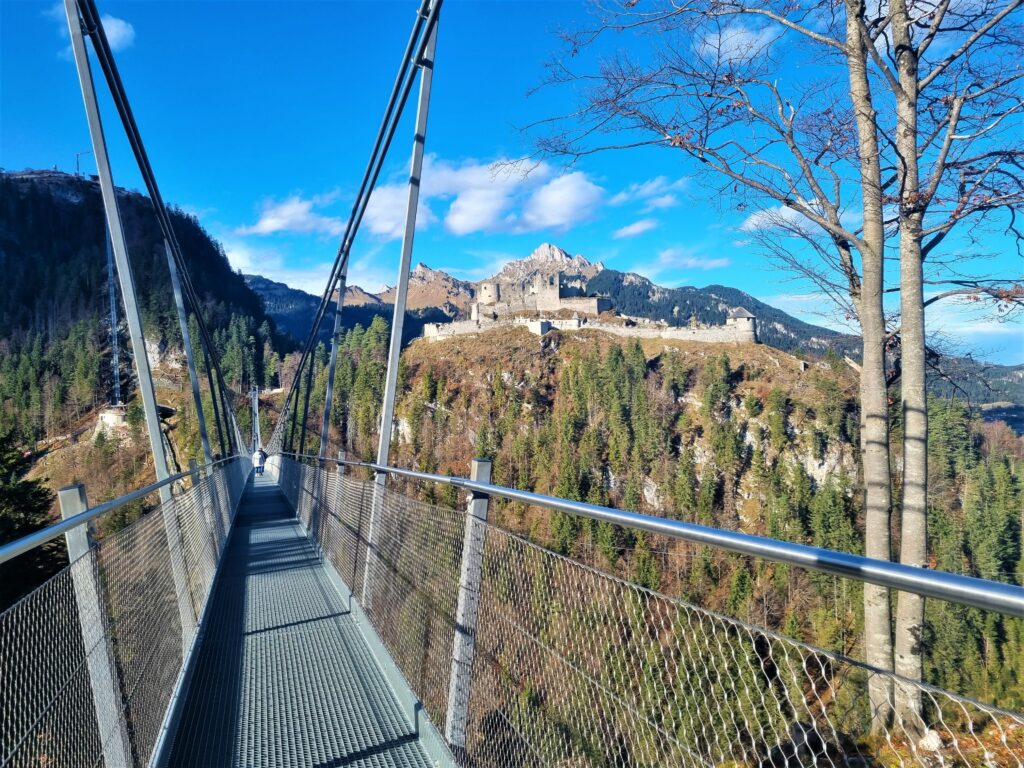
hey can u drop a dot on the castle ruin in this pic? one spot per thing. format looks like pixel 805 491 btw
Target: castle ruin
pixel 544 293
pixel 544 303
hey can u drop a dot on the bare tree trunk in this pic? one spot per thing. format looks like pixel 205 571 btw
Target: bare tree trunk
pixel 914 509
pixel 874 435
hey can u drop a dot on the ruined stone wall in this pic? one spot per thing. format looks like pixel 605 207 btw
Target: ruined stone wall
pixel 590 305
pixel 718 334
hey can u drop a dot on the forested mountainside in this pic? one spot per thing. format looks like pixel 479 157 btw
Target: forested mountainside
pixel 639 297
pixel 735 437
pixel 54 308
pixel 294 310
pixel 952 376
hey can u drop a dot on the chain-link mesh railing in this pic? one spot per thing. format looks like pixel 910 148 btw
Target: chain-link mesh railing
pixel 575 667
pixel 90 659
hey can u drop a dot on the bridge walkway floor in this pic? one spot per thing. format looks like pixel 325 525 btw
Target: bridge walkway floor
pixel 283 676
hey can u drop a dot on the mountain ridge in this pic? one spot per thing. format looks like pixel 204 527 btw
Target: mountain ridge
pixel 445 297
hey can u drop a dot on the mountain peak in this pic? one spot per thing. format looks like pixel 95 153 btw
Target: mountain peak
pixel 422 271
pixel 547 259
pixel 548 253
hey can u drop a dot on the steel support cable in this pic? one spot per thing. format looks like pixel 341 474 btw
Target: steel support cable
pixel 362 196
pixel 373 171
pixel 348 235
pixel 94 29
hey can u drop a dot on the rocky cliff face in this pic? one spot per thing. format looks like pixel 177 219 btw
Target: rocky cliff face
pixel 434 288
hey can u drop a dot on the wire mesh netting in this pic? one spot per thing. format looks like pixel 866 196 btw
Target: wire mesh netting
pixel 576 667
pixel 89 660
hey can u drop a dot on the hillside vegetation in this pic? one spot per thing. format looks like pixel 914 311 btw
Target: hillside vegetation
pixel 54 310
pixel 737 437
pixel 55 353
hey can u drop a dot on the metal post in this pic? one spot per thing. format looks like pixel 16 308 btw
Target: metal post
pixel 103 677
pixel 309 390
pixel 115 344
pixel 207 506
pixel 466 610
pixel 257 438
pixel 401 291
pixel 387 415
pixel 131 311
pixel 190 360
pixel 295 409
pixel 329 396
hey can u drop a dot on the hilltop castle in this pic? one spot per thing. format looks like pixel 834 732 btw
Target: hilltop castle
pixel 544 293
pixel 543 302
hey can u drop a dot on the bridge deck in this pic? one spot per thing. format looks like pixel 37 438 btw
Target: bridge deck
pixel 283 677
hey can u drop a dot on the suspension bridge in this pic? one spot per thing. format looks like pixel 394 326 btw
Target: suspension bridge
pixel 322 615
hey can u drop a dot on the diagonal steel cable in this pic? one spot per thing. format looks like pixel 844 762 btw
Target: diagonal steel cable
pixel 424 24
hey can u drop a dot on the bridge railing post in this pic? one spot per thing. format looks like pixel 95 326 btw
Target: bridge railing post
pixel 339 495
pixel 103 677
pixel 466 610
pixel 208 511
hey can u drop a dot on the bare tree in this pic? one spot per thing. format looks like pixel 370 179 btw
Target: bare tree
pixel 957 151
pixel 859 132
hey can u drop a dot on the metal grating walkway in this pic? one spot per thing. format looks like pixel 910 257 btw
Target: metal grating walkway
pixel 284 677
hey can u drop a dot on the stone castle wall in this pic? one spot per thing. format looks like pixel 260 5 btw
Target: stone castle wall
pixel 545 293
pixel 741 331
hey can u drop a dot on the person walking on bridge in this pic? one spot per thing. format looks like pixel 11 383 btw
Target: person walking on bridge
pixel 258 458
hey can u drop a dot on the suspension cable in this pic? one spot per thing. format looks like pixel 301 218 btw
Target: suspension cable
pixel 365 189
pixel 94 28
pixel 389 125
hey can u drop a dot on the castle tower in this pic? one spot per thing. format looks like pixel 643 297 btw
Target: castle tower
pixel 490 293
pixel 743 323
pixel 549 292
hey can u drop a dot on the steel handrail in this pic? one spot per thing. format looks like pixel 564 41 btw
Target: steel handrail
pixel 31 541
pixel 966 590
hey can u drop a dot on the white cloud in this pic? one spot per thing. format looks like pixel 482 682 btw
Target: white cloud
pixel 784 217
pixel 488 263
pixel 385 213
pixel 474 196
pixel 634 229
pixel 562 202
pixel 120 33
pixel 736 43
pixel 770 218
pixel 293 214
pixel 669 265
pixel 679 258
pixel 254 260
pixel 656 193
pixel 476 209
pixel 372 272
pixel 662 201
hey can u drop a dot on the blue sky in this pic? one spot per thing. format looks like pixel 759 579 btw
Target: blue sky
pixel 258 118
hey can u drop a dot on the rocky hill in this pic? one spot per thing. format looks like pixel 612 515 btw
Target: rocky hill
pixel 548 259
pixel 293 310
pixel 432 288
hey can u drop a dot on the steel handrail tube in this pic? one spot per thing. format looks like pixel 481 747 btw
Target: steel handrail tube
pixel 27 543
pixel 966 590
